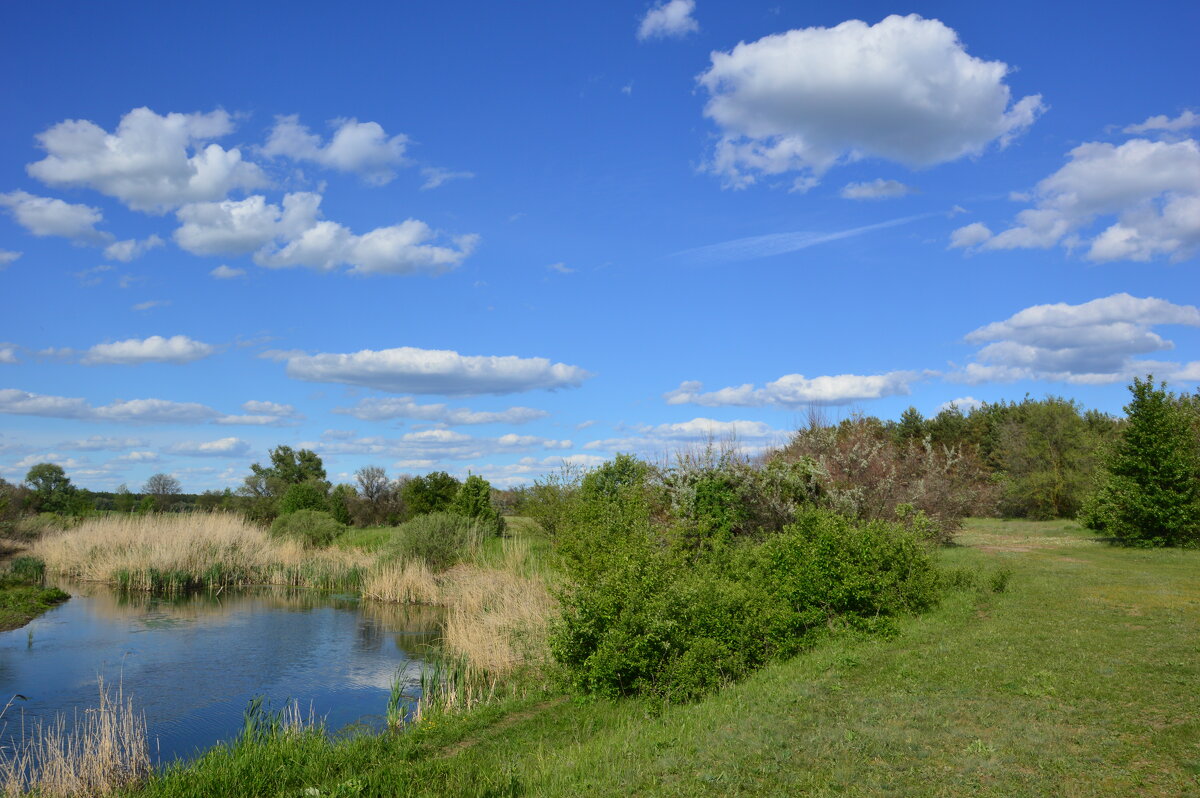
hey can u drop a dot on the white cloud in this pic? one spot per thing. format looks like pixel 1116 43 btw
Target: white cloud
pixel 126 251
pixel 136 457
pixel 671 19
pixel 224 272
pixel 97 443
pixel 1184 121
pixel 875 189
pixel 664 439
pixel 796 390
pixel 969 236
pixel 435 371
pixel 151 304
pixel 432 446
pixel 224 447
pixel 45 216
pixel 155 349
pixel 1094 342
pixel 904 90
pixel 263 414
pixel 406 407
pixel 561 268
pixel 295 235
pixel 23 403
pixel 965 404
pixel 521 471
pixel 360 147
pixel 91 277
pixel 7 257
pixel 436 176
pixel 1152 188
pixel 8 354
pixel 152 163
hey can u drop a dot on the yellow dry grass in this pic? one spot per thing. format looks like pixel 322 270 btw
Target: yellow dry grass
pixel 406 582
pixel 225 546
pixel 497 620
pixel 104 751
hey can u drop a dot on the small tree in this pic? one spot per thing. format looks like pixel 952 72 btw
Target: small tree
pixel 474 500
pixel 304 496
pixel 1149 489
pixel 162 487
pixel 431 493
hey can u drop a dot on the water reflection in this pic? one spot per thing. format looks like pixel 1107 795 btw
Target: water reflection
pixel 193 662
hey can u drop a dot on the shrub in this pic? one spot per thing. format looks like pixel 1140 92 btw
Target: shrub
pixel 313 528
pixel 474 500
pixel 304 496
pixel 440 539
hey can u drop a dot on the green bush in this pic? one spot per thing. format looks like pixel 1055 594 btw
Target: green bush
pixel 646 611
pixel 313 528
pixel 28 569
pixel 304 496
pixel 474 500
pixel 440 539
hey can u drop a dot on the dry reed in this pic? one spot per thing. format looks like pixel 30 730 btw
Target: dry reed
pixel 187 550
pixel 104 751
pixel 406 582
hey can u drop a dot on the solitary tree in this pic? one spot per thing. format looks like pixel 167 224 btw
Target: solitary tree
pixel 52 489
pixel 1149 491
pixel 162 487
pixel 474 500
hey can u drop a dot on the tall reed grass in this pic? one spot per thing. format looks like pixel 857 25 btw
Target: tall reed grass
pixel 103 751
pixel 174 553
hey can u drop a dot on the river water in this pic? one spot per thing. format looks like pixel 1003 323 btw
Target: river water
pixel 192 663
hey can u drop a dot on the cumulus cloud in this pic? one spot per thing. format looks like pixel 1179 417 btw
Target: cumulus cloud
pixel 223 447
pixel 796 390
pixel 671 19
pixel 663 439
pixel 296 235
pixel 407 407
pixel 1094 342
pixel 23 403
pixel 96 443
pixel 8 354
pixel 151 163
pixel 435 371
pixel 964 404
pixel 264 414
pixel 904 90
pixel 432 446
pixel 1152 188
pixel 1185 121
pixel 521 471
pixel 875 189
pixel 7 257
pixel 45 216
pixel 224 272
pixel 136 457
pixel 436 176
pixel 155 349
pixel 970 236
pixel 126 251
pixel 360 147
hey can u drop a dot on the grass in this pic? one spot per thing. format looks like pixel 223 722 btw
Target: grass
pixel 1079 680
pixel 22 594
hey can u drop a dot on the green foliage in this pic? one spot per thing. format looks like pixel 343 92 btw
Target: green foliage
pixel 550 500
pixel 304 496
pixel 123 500
pixel 28 569
pixel 440 539
pixel 474 500
pixel 1149 492
pixel 340 499
pixel 650 610
pixel 313 528
pixel 52 490
pixel 431 493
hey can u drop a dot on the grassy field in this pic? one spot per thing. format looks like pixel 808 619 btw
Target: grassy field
pixel 1082 679
pixel 23 597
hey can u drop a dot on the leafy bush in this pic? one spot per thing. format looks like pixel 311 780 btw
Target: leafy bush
pixel 304 496
pixel 440 539
pixel 313 528
pixel 647 611
pixel 474 500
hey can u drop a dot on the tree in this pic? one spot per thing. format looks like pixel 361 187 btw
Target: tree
pixel 474 500
pixel 265 485
pixel 375 493
pixel 303 496
pixel 123 500
pixel 162 487
pixel 1149 491
pixel 431 493
pixel 52 489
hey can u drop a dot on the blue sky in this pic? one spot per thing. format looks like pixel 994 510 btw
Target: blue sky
pixel 489 237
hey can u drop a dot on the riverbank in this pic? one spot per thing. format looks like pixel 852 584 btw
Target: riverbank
pixel 1079 679
pixel 23 597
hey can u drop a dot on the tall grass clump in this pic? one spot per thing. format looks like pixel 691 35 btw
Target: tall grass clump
pixel 675 598
pixel 104 751
pixel 172 553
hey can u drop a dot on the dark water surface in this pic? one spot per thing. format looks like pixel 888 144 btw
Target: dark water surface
pixel 193 663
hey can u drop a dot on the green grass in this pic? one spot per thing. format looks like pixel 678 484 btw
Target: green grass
pixel 1080 680
pixel 22 596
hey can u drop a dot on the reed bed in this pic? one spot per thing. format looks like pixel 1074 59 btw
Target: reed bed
pixel 103 751
pixel 497 620
pixel 403 582
pixel 174 553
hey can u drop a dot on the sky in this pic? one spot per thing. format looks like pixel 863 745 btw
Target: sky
pixel 492 238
